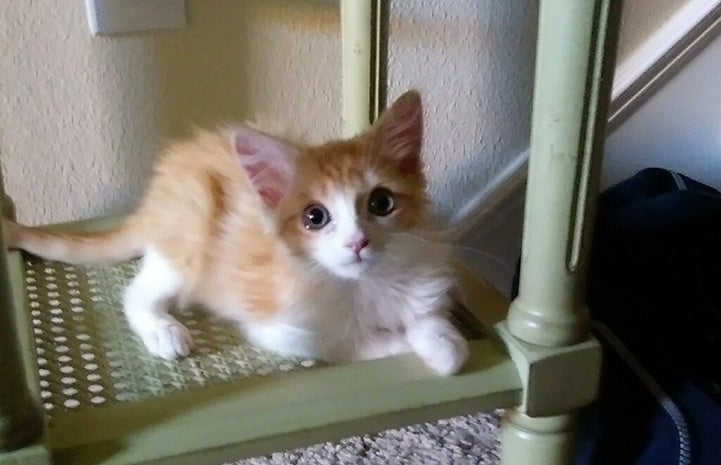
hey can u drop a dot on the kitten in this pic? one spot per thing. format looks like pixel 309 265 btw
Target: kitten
pixel 312 250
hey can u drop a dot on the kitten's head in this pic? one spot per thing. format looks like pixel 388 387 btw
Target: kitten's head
pixel 340 203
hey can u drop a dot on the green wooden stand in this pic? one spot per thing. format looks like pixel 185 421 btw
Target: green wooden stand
pixel 548 324
pixel 21 422
pixel 179 421
pixel 64 346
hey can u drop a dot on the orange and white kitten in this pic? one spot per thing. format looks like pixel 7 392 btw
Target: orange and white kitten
pixel 311 250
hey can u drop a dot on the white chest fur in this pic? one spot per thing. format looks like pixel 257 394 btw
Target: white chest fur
pixel 338 317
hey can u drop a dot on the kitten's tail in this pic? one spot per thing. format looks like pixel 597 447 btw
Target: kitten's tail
pixel 120 243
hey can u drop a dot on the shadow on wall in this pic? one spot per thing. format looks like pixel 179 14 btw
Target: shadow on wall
pixel 475 59
pixel 81 117
pixel 230 63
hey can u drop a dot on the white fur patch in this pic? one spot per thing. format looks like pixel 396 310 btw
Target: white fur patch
pixel 398 304
pixel 282 337
pixel 331 245
pixel 145 304
pixel 438 344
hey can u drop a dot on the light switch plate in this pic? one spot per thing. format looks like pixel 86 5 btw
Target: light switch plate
pixel 117 17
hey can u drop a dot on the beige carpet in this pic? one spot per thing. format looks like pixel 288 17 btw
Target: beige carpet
pixel 466 440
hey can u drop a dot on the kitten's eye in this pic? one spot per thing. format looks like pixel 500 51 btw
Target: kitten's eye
pixel 315 217
pixel 380 202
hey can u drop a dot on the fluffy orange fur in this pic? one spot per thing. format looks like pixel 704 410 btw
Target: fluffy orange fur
pixel 203 214
pixel 225 210
pixel 187 213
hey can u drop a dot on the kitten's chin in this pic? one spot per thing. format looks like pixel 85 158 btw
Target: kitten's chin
pixel 347 267
pixel 350 271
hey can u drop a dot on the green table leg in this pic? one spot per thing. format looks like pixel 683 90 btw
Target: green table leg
pixel 574 71
pixel 20 418
pixel 547 440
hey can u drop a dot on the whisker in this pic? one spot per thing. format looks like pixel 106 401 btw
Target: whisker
pixel 440 235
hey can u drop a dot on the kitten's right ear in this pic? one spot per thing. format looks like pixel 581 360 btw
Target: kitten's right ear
pixel 268 162
pixel 399 132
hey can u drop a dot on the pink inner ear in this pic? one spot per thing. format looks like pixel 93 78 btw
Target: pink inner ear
pixel 404 144
pixel 270 183
pixel 267 162
pixel 270 196
pixel 243 147
pixel 254 169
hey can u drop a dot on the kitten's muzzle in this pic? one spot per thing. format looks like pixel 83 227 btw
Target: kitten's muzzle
pixel 358 246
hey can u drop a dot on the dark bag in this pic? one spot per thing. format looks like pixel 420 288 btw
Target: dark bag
pixel 654 292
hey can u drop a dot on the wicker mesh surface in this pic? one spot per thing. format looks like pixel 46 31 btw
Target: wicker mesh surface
pixel 87 356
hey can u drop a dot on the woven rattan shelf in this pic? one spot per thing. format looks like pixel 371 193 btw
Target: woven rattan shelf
pixel 108 401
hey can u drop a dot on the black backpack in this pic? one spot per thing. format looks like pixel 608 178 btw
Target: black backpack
pixel 654 292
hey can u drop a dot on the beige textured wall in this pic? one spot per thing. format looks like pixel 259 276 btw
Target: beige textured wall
pixel 80 117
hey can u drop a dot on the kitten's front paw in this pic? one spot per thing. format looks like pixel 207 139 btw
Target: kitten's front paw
pixel 168 340
pixel 449 357
pixel 440 346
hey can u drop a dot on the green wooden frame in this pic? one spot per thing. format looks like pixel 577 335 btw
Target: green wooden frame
pixel 541 362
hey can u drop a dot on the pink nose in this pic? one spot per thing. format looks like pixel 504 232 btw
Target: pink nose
pixel 359 245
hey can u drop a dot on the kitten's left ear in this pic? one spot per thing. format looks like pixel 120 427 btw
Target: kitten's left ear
pixel 268 162
pixel 399 132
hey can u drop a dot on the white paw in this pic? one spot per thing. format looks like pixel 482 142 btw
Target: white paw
pixel 449 356
pixel 168 340
pixel 439 345
pixel 380 345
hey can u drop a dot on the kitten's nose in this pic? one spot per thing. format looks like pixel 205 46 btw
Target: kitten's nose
pixel 358 245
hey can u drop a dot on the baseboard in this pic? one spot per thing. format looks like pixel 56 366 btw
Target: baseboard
pixel 487 200
pixel 662 55
pixel 636 79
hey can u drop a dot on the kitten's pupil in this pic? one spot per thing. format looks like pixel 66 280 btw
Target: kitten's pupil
pixel 315 217
pixel 380 202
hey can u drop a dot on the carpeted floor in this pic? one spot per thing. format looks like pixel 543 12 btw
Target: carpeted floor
pixel 466 440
